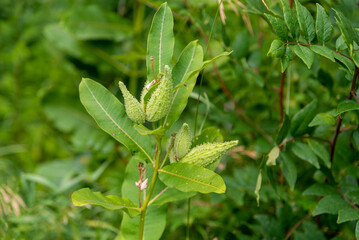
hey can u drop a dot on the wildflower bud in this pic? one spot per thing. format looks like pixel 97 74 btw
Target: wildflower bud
pixel 133 108
pixel 183 142
pixel 160 102
pixel 207 153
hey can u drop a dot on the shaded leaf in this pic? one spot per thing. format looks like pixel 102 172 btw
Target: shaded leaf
pixel 301 119
pixel 283 130
pixel 346 61
pixel 349 34
pixel 85 196
pixel 191 178
pixel 321 189
pixel 330 204
pixel 347 214
pixel 302 151
pixel 355 139
pixel 320 150
pixel 289 169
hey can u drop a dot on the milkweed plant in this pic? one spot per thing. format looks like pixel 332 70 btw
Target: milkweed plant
pixel 160 170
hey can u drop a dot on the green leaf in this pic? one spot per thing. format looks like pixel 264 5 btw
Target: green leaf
pixel 289 169
pixel 347 214
pixel 302 151
pixel 300 121
pixel 349 34
pixel 283 130
pixel 110 115
pixel 357 231
pixel 272 156
pixel 172 195
pixel 347 105
pixel 191 178
pixel 322 119
pixel 277 49
pixel 85 196
pixel 305 54
pixel 346 61
pixel 155 215
pixel 160 131
pixel 190 59
pixel 195 72
pixel 330 204
pixel 323 51
pixel 320 150
pixel 279 27
pixel 290 19
pixel 355 57
pixel 306 22
pixel 321 189
pixel 323 26
pixel 160 41
pixel 208 135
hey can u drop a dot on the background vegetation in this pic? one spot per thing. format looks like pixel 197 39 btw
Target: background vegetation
pixel 50 146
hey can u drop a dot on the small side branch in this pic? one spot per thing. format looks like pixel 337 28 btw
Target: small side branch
pixel 292 230
pixel 337 130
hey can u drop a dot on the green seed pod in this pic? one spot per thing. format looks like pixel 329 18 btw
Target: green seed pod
pixel 133 108
pixel 160 102
pixel 183 142
pixel 207 153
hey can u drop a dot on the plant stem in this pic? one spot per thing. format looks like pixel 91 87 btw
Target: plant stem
pixel 337 130
pixel 150 190
pixel 281 99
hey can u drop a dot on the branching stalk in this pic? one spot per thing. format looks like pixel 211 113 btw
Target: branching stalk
pixel 150 190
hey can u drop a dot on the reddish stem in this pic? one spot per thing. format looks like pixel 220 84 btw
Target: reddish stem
pixel 281 97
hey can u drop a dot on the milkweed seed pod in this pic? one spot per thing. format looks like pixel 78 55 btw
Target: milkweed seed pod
pixel 160 102
pixel 207 153
pixel 183 142
pixel 133 108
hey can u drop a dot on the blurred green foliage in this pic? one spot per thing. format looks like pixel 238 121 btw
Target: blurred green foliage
pixel 50 146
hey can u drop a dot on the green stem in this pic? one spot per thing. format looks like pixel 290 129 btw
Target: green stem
pixel 150 190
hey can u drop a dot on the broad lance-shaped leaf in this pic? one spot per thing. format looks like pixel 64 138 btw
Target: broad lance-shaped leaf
pixel 204 65
pixel 306 22
pixel 305 54
pixel 289 169
pixel 291 20
pixel 190 59
pixel 323 26
pixel 85 196
pixel 110 115
pixel 346 61
pixel 321 151
pixel 160 41
pixel 191 178
pixel 279 27
pixel 322 119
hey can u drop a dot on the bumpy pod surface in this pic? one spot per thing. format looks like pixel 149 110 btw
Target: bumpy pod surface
pixel 160 101
pixel 205 154
pixel 133 108
pixel 183 142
